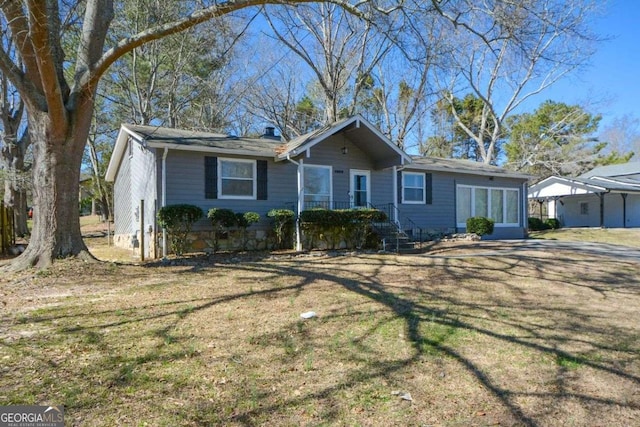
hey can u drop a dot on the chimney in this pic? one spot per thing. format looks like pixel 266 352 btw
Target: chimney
pixel 269 132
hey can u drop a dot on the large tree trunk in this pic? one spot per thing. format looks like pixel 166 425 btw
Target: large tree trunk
pixel 56 176
pixel 15 194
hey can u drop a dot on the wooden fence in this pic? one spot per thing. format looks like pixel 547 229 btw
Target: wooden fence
pixel 7 230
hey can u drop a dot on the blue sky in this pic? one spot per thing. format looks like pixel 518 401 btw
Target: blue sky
pixel 610 84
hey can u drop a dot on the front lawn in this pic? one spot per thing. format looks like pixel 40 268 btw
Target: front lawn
pixel 526 339
pixel 615 236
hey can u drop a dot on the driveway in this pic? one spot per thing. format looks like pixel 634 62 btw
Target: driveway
pixel 513 247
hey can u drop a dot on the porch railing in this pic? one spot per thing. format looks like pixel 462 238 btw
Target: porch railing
pixel 404 223
pixel 334 205
pixel 403 228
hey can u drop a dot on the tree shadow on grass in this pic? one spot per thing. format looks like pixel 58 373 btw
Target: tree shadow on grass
pixel 430 315
pixel 415 313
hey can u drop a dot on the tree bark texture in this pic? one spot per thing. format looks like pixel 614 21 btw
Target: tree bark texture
pixel 15 193
pixel 60 111
pixel 56 177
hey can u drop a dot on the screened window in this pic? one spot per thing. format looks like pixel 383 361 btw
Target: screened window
pixel 481 202
pixel 236 179
pixel 413 188
pixel 463 204
pixel 317 186
pixel 511 207
pixel 499 204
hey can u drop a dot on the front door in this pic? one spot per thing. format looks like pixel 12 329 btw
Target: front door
pixel 360 188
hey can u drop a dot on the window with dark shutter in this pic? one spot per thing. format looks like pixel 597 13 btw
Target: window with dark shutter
pixel 413 187
pixel 210 177
pixel 261 172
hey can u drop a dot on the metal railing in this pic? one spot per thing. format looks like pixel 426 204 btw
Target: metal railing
pixel 333 205
pixel 403 222
pixel 401 225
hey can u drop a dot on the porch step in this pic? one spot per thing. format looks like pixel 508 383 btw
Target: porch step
pixel 394 239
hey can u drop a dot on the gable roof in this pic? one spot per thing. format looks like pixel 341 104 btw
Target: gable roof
pixel 357 129
pixel 557 186
pixel 621 178
pixel 188 140
pixel 160 137
pixel 631 168
pixel 360 132
pixel 462 166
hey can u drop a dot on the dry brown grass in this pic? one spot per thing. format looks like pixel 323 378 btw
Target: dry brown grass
pixel 526 339
pixel 616 236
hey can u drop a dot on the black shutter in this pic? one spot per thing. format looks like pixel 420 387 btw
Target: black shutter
pixel 399 184
pixel 428 199
pixel 210 177
pixel 261 169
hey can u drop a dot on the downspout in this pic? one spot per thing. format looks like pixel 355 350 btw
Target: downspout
pixel 164 200
pixel 395 194
pixel 300 204
pixel 601 195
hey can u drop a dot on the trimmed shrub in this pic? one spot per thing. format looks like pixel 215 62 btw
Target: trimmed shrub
pixel 178 220
pixel 222 220
pixel 480 225
pixel 352 226
pixel 552 223
pixel 282 225
pixel 536 224
pixel 244 221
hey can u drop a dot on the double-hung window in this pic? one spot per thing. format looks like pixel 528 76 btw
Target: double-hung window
pixel 499 204
pixel 317 186
pixel 413 187
pixel 236 179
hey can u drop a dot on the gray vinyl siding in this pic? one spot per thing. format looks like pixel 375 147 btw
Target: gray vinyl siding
pixel 185 184
pixel 570 215
pixel 122 212
pixel 329 153
pixel 382 188
pixel 441 213
pixel 143 185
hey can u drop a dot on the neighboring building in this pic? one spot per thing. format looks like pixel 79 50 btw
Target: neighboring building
pixel 347 164
pixel 607 196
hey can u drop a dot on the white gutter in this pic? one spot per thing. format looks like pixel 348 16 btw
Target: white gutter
pixel 300 176
pixel 164 199
pixel 204 149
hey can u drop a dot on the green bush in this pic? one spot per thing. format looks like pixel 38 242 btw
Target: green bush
pixel 178 220
pixel 85 206
pixel 536 224
pixel 552 223
pixel 224 220
pixel 282 225
pixel 480 225
pixel 352 226
pixel 221 220
pixel 244 221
